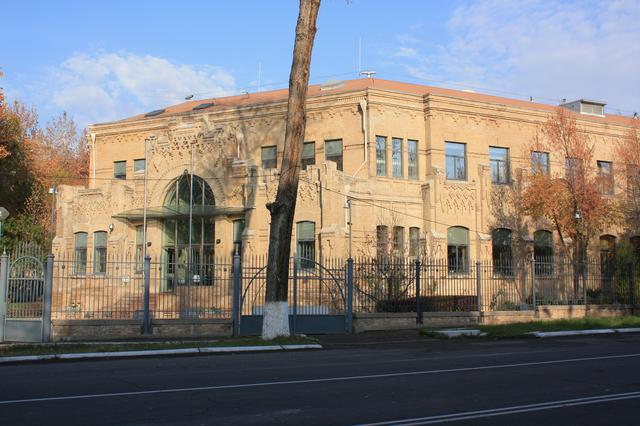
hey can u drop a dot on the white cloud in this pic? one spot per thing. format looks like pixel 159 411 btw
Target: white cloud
pixel 555 49
pixel 406 52
pixel 110 86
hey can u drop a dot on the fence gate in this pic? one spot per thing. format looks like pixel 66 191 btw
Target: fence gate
pixel 24 296
pixel 317 297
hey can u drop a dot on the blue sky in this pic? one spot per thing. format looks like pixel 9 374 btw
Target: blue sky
pixel 102 61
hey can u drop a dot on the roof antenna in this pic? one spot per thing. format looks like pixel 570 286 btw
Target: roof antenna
pixel 359 55
pixel 259 74
pixel 368 74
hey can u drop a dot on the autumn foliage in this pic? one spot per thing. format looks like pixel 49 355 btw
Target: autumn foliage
pixel 628 155
pixel 33 159
pixel 572 201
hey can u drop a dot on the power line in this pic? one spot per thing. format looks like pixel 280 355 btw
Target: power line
pixel 371 203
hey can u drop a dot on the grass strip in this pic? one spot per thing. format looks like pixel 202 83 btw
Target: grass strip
pixel 502 331
pixel 67 348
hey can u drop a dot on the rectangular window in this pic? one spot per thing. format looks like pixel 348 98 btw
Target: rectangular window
pixel 333 152
pixel 396 157
pixel 306 235
pixel 414 242
pixel 139 165
pixel 382 241
pixel 499 163
pixel 381 155
pixel 308 154
pixel 456 160
pixel 605 176
pixel 80 254
pixel 139 249
pixel 412 155
pixel 238 229
pixel 398 241
pixel 269 157
pixel 99 252
pixel 540 163
pixel 120 169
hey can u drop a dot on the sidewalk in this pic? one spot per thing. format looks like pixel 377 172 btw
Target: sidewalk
pixel 21 352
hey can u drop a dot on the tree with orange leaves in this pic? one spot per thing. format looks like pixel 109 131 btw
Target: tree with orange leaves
pixel 628 154
pixel 33 159
pixel 572 201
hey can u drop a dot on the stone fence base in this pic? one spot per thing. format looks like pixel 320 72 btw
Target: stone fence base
pixel 393 321
pixel 78 330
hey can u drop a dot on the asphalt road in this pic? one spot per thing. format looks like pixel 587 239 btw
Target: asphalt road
pixel 585 381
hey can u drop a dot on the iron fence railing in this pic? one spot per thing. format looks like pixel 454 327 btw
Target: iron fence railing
pixel 114 287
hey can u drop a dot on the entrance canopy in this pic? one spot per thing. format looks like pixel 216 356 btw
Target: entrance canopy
pixel 180 212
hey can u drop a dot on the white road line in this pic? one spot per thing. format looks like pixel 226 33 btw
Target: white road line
pixel 321 380
pixel 469 415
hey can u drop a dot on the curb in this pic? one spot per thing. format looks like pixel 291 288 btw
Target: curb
pixel 156 352
pixel 544 334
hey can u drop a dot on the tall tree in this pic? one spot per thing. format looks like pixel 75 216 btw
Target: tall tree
pixel 628 175
pixel 276 310
pixel 572 201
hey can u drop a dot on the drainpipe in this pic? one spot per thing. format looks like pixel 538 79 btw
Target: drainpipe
pixel 365 132
pixel 93 160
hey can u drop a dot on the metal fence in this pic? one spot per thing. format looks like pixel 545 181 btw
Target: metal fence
pixel 438 285
pixel 109 288
pixel 114 288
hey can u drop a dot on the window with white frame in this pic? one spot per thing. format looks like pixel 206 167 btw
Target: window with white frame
pixel 456 160
pixel 381 155
pixel 396 157
pixel 412 157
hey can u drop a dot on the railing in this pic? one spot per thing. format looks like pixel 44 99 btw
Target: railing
pixel 114 288
pixel 389 285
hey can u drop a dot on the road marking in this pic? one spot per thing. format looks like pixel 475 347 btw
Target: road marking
pixel 469 415
pixel 321 380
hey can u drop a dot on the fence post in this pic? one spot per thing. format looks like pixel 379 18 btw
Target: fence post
pixel 4 278
pixel 479 286
pixel 146 318
pixel 418 304
pixel 630 282
pixel 585 287
pixel 46 300
pixel 533 283
pixel 349 324
pixel 295 294
pixel 236 294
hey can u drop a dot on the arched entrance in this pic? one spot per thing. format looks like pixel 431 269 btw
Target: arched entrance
pixel 182 265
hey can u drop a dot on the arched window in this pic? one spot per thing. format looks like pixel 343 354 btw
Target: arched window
pixel 382 241
pixel 306 244
pixel 99 252
pixel 502 251
pixel 181 265
pixel 80 253
pixel 543 252
pixel 458 249
pixel 607 254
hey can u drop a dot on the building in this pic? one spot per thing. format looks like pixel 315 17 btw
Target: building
pixel 419 164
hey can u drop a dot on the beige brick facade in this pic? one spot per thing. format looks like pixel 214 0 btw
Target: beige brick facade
pixel 225 142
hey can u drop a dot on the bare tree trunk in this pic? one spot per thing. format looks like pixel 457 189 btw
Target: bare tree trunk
pixel 276 311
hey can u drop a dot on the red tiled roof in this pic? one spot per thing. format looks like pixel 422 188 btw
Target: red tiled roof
pixel 279 95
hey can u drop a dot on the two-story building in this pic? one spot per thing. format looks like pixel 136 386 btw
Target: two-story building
pixel 419 165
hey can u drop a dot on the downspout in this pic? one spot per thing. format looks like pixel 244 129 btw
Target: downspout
pixel 365 132
pixel 93 160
